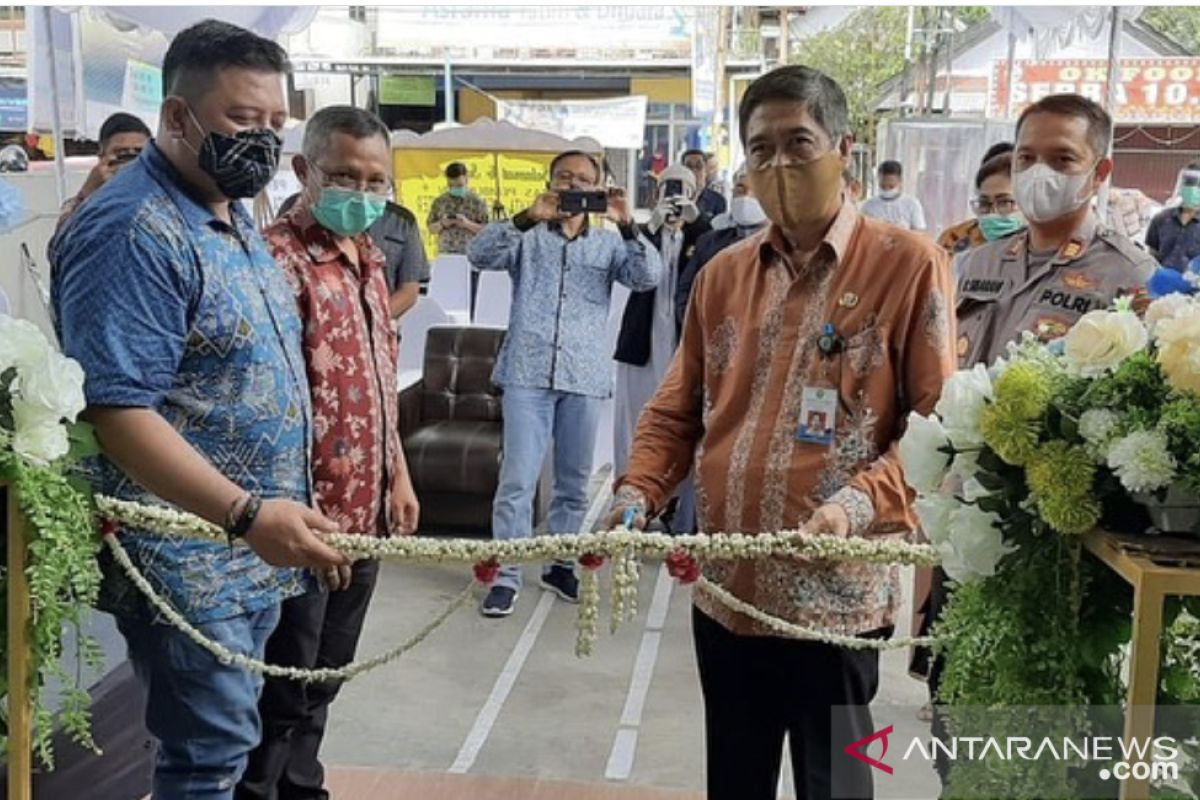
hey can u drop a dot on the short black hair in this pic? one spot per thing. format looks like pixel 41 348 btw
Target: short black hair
pixel 693 152
pixel 891 168
pixel 122 123
pixel 994 166
pixel 819 94
pixel 356 122
pixel 197 53
pixel 1099 123
pixel 999 148
pixel 573 154
pixel 456 169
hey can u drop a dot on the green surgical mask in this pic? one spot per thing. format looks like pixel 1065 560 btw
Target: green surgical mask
pixel 1190 196
pixel 458 191
pixel 347 212
pixel 997 226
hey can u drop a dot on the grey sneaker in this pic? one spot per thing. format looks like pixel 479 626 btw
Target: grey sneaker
pixel 500 602
pixel 562 581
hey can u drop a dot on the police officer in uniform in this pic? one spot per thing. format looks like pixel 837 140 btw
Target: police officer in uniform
pixel 1064 264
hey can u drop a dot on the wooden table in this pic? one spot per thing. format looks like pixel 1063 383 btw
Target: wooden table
pixel 1152 582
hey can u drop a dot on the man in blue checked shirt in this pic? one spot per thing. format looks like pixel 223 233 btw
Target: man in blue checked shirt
pixel 555 367
pixel 190 339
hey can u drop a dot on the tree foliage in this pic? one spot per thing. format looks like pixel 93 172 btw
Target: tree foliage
pixel 1181 23
pixel 865 51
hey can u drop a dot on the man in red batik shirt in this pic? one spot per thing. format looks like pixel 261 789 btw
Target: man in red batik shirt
pixel 360 478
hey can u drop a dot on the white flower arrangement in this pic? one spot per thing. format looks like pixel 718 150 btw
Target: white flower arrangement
pixel 1142 461
pixel 41 392
pixel 1101 340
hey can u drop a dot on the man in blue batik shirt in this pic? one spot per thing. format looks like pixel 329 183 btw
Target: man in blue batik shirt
pixel 555 367
pixel 190 339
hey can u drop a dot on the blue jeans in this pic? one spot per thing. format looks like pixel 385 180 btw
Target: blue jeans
pixel 532 417
pixel 203 713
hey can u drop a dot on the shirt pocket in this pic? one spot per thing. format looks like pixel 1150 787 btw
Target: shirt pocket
pixel 595 285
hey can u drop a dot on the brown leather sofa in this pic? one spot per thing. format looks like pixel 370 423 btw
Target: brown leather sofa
pixel 451 425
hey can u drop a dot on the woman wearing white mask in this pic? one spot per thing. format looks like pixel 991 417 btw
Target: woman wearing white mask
pixel 649 331
pixel 745 217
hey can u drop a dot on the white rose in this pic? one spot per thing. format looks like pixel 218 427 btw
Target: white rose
pixel 1101 340
pixel 964 396
pixel 1179 348
pixel 922 453
pixel 22 345
pixel 975 544
pixel 973 490
pixel 965 465
pixel 38 433
pixel 1165 308
pixel 934 511
pixel 57 386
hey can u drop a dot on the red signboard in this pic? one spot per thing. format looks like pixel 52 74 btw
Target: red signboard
pixel 1165 90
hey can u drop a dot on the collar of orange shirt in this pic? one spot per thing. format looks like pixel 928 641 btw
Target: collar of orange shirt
pixel 835 242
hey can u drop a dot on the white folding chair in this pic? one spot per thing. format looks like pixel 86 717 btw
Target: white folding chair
pixel 414 325
pixel 450 286
pixel 493 299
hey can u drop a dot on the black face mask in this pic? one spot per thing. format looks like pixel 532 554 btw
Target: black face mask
pixel 242 164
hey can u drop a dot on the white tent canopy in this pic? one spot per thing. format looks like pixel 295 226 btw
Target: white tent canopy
pixel 1054 28
pixel 56 86
pixel 488 134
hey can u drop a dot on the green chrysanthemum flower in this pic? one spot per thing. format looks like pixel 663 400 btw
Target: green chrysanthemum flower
pixel 1009 432
pixel 1060 470
pixel 1070 515
pixel 1027 388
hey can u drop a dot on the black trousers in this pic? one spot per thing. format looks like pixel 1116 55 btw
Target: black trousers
pixel 319 629
pixel 757 688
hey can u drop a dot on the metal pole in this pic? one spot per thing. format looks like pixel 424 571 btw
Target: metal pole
pixel 949 65
pixel 448 88
pixel 908 61
pixel 1110 101
pixel 60 165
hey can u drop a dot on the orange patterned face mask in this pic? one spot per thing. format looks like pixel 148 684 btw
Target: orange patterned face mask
pixel 796 195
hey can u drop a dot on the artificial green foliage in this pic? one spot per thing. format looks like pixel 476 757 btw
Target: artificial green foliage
pixel 1050 627
pixel 64 579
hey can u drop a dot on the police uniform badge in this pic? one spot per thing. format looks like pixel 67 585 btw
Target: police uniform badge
pixel 1072 250
pixel 1080 281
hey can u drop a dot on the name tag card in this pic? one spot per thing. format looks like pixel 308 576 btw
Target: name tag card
pixel 818 415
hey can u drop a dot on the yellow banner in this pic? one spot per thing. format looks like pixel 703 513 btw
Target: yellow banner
pixel 512 179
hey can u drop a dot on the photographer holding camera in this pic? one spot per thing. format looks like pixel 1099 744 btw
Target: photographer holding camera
pixel 649 329
pixel 122 137
pixel 553 366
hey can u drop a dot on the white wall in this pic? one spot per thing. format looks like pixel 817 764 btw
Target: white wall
pixel 40 196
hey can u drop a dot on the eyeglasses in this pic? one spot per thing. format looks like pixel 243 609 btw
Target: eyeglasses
pixel 566 176
pixel 982 205
pixel 344 180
